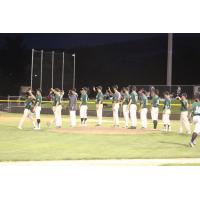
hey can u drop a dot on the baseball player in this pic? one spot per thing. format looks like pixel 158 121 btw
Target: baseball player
pixel 196 119
pixel 99 104
pixel 133 106
pixel 53 99
pixel 184 121
pixel 125 108
pixel 115 104
pixel 155 107
pixel 83 106
pixel 37 108
pixel 167 112
pixel 58 107
pixel 72 106
pixel 28 109
pixel 143 109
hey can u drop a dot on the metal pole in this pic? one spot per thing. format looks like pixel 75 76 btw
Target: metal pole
pixel 52 66
pixel 63 69
pixel 41 69
pixel 32 68
pixel 169 59
pixel 74 73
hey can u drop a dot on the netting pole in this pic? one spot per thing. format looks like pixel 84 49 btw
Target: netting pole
pixel 63 69
pixel 52 67
pixel 41 69
pixel 74 76
pixel 32 68
pixel 169 59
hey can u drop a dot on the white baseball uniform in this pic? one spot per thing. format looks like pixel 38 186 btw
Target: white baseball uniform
pixel 133 108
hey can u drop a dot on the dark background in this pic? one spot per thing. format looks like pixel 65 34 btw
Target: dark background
pixel 103 59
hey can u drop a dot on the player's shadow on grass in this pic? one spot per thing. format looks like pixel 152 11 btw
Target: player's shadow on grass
pixel 174 143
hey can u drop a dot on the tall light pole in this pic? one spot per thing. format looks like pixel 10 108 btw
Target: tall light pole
pixel 41 65
pixel 74 72
pixel 52 68
pixel 169 59
pixel 63 70
pixel 32 68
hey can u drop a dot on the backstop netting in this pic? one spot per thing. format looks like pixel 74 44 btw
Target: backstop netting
pixel 51 70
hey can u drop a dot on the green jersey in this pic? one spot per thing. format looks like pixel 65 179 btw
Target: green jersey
pixel 53 98
pixel 144 101
pixel 196 109
pixel 84 99
pixel 155 101
pixel 134 97
pixel 38 100
pixel 29 104
pixel 184 105
pixel 57 100
pixel 99 98
pixel 167 104
pixel 126 99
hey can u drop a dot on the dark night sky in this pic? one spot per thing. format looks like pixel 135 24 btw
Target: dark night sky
pixel 107 58
pixel 73 40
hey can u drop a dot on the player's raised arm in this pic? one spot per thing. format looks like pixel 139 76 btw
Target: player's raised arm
pixel 31 94
pixel 55 91
pixel 94 88
pixel 109 90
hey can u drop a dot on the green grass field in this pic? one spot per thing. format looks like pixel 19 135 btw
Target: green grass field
pixel 91 143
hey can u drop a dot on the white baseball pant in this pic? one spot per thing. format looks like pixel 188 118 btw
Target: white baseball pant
pixel 166 116
pixel 83 111
pixel 27 114
pixel 196 120
pixel 58 115
pixel 99 109
pixel 72 118
pixel 37 112
pixel 116 114
pixel 133 114
pixel 126 115
pixel 154 113
pixel 184 122
pixel 143 117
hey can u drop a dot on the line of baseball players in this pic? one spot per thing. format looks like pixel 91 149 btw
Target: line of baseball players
pixel 128 98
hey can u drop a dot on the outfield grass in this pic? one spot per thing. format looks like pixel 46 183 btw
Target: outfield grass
pixel 51 144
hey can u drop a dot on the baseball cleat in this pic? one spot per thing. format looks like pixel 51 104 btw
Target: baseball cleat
pixel 19 127
pixel 132 127
pixel 191 144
